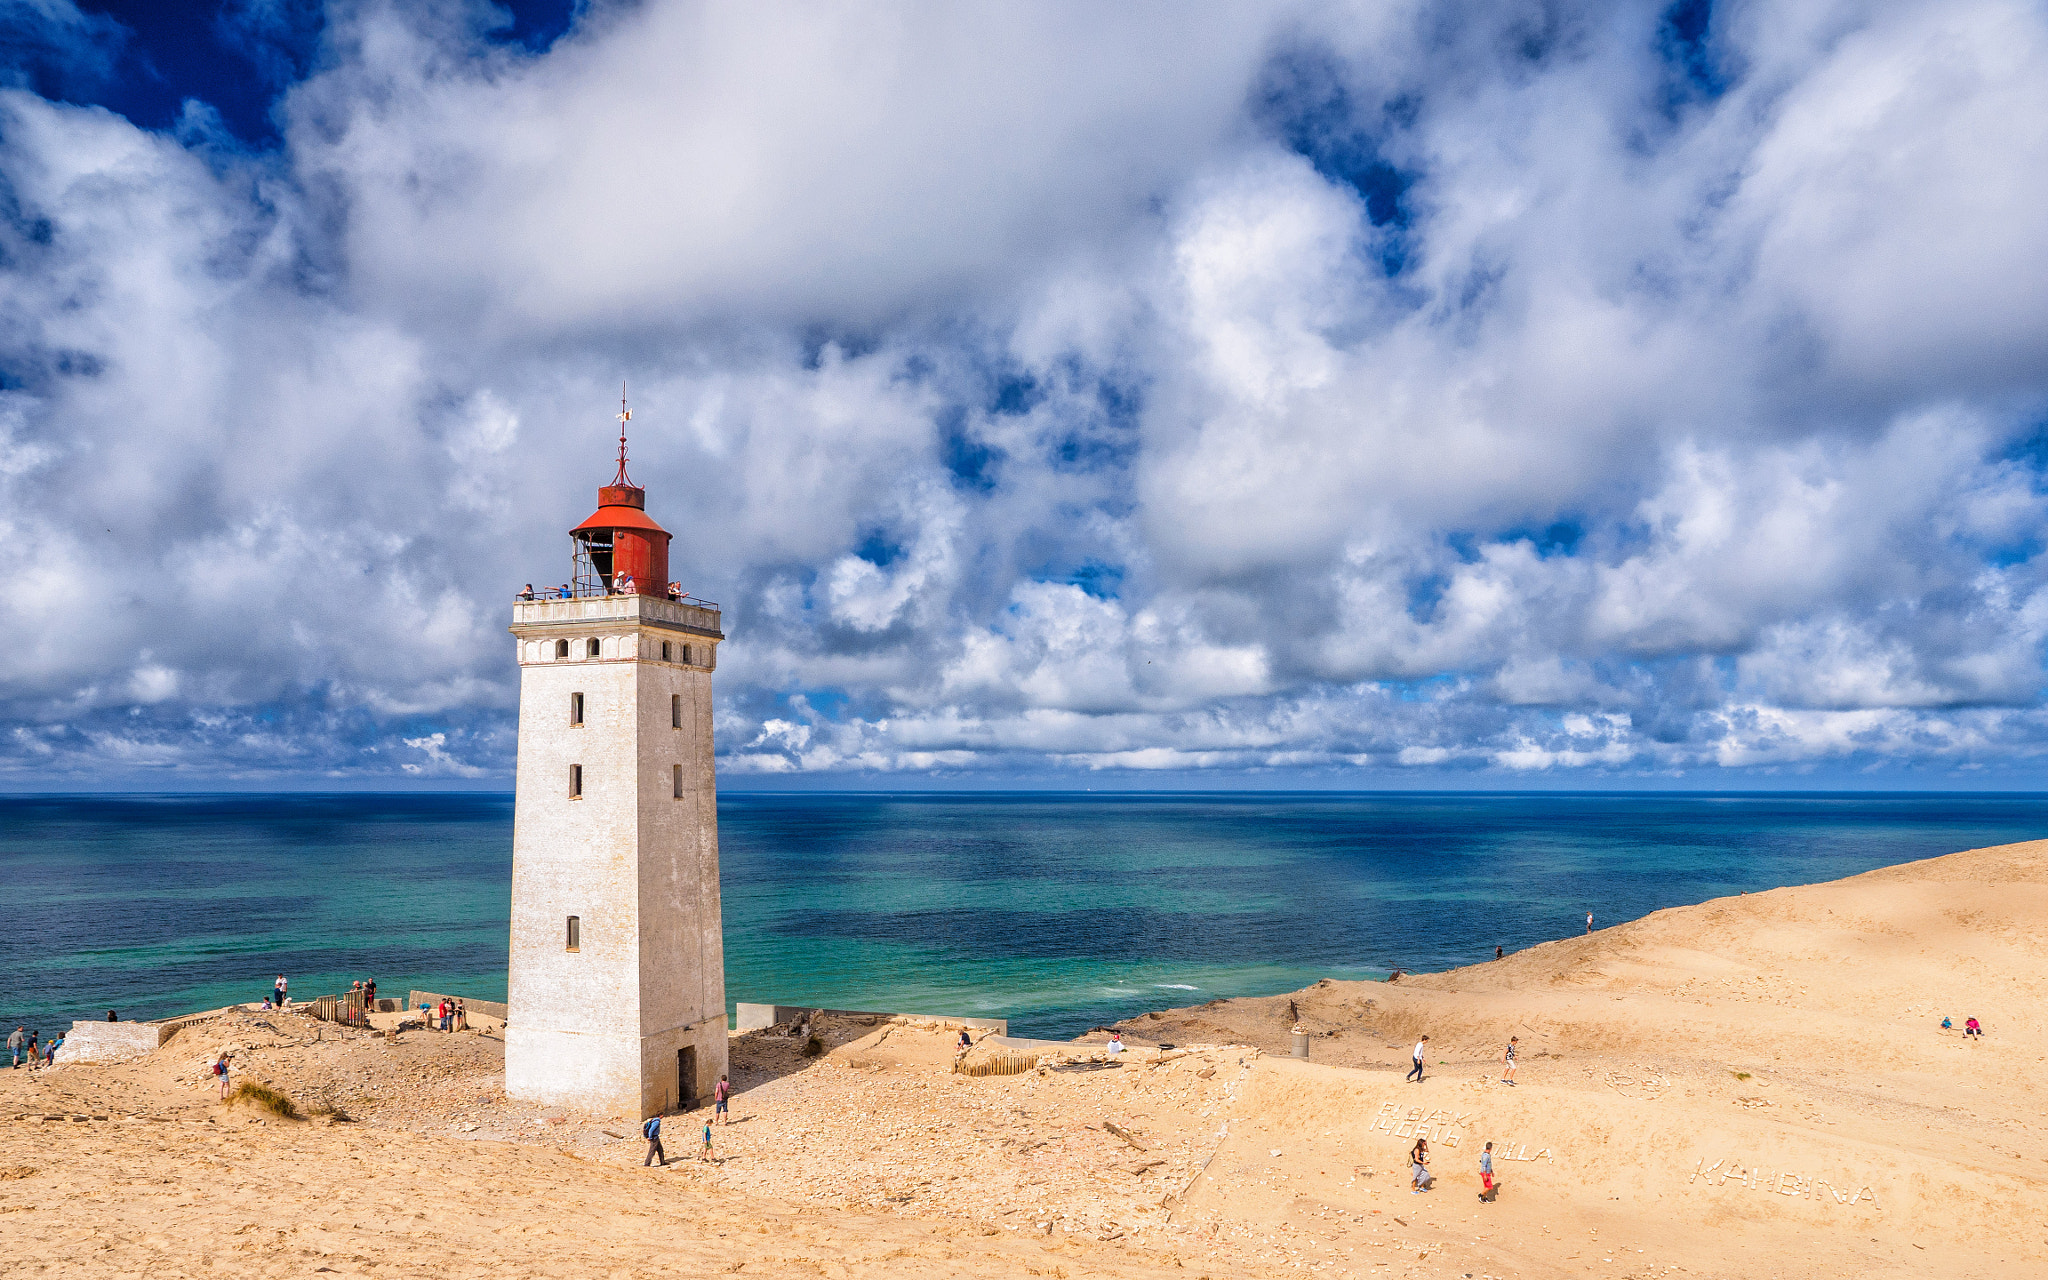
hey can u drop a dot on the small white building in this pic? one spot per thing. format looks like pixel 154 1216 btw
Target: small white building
pixel 617 999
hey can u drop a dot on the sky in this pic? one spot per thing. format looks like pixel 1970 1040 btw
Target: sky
pixel 1378 395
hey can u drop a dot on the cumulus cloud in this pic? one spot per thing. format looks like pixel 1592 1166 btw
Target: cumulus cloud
pixel 1307 392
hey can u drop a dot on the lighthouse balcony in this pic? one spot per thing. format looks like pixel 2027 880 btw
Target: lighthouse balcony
pixel 689 614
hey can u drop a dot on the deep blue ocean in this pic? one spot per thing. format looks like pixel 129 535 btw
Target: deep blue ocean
pixel 1057 910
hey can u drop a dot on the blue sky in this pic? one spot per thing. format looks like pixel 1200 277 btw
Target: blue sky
pixel 1519 395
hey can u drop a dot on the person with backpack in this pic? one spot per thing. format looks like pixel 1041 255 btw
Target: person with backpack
pixel 652 1132
pixel 220 1073
pixel 1418 1166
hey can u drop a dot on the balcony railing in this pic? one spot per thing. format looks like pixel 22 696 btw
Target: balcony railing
pixel 598 591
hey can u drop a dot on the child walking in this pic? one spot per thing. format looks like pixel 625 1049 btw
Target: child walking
pixel 1486 1174
pixel 1507 1072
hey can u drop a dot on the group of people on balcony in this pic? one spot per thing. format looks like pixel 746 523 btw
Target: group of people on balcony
pixel 621 585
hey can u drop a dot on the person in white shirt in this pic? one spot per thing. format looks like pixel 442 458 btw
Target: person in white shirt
pixel 1116 1042
pixel 1421 1047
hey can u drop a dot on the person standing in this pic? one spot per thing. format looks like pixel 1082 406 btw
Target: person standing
pixel 220 1073
pixel 652 1132
pixel 1589 922
pixel 370 993
pixel 1486 1174
pixel 277 991
pixel 461 1016
pixel 1421 1047
pixel 14 1043
pixel 1507 1071
pixel 720 1094
pixel 1497 952
pixel 50 1051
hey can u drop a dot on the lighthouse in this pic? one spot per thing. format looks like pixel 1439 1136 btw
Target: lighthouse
pixel 617 981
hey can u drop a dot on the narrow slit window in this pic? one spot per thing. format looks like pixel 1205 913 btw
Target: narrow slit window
pixel 575 782
pixel 561 648
pixel 576 709
pixel 664 651
pixel 686 655
pixel 575 933
pixel 679 781
pixel 675 711
pixel 593 648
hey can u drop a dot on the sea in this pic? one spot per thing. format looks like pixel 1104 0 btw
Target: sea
pixel 1060 911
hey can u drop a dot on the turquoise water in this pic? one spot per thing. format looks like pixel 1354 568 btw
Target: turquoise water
pixel 1059 911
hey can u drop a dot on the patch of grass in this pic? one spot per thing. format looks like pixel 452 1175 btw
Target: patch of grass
pixel 1740 1075
pixel 262 1095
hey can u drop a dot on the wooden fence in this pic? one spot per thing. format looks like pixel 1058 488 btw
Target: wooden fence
pixel 1002 1064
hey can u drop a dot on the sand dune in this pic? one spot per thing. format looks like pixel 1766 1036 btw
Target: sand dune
pixel 1755 1086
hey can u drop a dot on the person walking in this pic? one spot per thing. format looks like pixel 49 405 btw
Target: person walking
pixel 652 1132
pixel 1418 1164
pixel 35 1053
pixel 720 1094
pixel 220 1073
pixel 1507 1070
pixel 1589 922
pixel 704 1153
pixel 14 1043
pixel 50 1051
pixel 1498 953
pixel 1486 1174
pixel 1421 1047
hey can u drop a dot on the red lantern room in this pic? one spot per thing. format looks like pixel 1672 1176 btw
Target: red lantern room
pixel 619 550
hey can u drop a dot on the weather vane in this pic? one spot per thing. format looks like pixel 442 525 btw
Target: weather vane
pixel 625 416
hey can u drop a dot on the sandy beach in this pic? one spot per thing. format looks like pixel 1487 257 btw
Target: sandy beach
pixel 1754 1086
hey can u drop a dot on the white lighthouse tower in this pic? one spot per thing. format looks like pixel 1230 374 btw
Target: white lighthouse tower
pixel 617 1002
